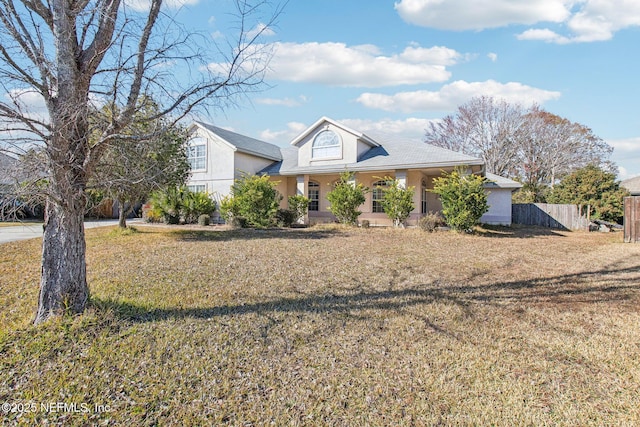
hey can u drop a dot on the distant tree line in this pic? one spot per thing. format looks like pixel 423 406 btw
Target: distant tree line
pixel 537 148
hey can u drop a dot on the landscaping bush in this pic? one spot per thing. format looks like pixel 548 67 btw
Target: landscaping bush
pixel 196 205
pixel 345 199
pixel 204 219
pixel 430 221
pixel 253 202
pixel 175 203
pixel 463 198
pixel 298 205
pixel 397 201
pixel 285 217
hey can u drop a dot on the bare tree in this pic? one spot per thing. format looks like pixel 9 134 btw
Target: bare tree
pixel 130 169
pixel 76 55
pixel 483 127
pixel 551 147
pixel 531 145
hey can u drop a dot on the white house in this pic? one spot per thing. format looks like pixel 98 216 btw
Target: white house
pixel 317 157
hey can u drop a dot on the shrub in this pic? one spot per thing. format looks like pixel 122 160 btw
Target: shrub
pixel 204 219
pixel 168 203
pixel 298 205
pixel 463 198
pixel 397 201
pixel 285 217
pixel 430 221
pixel 195 205
pixel 253 202
pixel 345 199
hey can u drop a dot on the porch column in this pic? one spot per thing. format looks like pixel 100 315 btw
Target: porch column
pixel 401 177
pixel 302 183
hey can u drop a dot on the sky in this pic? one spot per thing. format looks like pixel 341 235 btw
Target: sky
pixel 394 66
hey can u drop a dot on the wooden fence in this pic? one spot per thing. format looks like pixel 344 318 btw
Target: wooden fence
pixel 632 219
pixel 563 217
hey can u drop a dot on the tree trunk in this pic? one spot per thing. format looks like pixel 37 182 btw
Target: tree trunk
pixel 63 284
pixel 122 214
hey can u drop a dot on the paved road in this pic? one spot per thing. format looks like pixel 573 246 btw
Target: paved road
pixel 33 230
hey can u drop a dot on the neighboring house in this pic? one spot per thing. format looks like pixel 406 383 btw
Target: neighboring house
pixel 321 153
pixel 633 185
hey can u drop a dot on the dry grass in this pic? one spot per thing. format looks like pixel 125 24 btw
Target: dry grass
pixel 332 326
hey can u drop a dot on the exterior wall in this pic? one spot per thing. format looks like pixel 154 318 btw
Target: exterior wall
pixel 219 170
pixel 249 164
pixel 350 148
pixel 499 213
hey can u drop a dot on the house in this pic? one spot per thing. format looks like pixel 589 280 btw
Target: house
pixel 633 185
pixel 317 157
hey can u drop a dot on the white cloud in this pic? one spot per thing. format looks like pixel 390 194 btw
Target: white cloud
pixel 260 30
pixel 411 128
pixel 628 145
pixel 454 94
pixel 545 35
pixel 283 136
pixel 584 20
pixel 145 5
pixel 492 56
pixel 337 64
pixel 480 14
pixel 29 102
pixel 283 102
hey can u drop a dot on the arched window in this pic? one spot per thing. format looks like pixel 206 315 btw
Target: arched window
pixel 326 145
pixel 314 196
pixel 377 196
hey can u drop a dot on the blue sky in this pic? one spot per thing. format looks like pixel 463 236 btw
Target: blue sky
pixel 396 65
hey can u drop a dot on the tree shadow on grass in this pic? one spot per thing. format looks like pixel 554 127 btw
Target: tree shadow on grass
pixel 256 234
pixel 518 231
pixel 605 285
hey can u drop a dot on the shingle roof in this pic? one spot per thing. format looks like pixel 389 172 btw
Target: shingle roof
pixel 632 184
pixel 501 182
pixel 390 154
pixel 245 144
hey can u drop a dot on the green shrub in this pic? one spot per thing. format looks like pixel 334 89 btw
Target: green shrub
pixel 397 201
pixel 298 205
pixel 463 198
pixel 204 219
pixel 196 204
pixel 168 203
pixel 175 203
pixel 285 217
pixel 430 221
pixel 253 202
pixel 345 199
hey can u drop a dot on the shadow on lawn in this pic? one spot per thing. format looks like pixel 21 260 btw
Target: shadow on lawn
pixel 256 234
pixel 518 231
pixel 583 288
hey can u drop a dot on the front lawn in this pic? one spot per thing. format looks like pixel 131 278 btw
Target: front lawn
pixel 330 326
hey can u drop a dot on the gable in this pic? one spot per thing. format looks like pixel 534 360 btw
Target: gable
pixel 327 143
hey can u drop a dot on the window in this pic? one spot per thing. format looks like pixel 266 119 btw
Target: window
pixel 197 156
pixel 377 196
pixel 326 145
pixel 314 196
pixel 197 188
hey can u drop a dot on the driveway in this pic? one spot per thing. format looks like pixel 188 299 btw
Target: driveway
pixel 33 230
